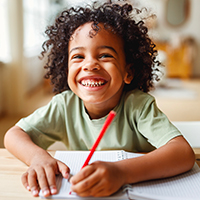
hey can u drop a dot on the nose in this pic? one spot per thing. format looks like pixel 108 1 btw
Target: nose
pixel 91 65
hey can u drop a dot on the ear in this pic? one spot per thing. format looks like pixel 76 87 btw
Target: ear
pixel 129 74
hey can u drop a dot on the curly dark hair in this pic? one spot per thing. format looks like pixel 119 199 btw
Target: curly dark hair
pixel 139 49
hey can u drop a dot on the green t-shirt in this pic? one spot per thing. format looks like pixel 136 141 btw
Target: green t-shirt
pixel 139 125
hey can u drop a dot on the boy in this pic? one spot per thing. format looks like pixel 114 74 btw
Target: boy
pixel 105 60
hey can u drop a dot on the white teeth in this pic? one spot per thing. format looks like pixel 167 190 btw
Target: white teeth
pixel 91 83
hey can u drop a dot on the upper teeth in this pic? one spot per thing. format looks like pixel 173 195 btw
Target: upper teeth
pixel 91 83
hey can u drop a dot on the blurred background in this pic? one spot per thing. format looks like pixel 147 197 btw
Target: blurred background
pixel 175 30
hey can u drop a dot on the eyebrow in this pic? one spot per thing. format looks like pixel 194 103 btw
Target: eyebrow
pixel 75 48
pixel 108 47
pixel 100 47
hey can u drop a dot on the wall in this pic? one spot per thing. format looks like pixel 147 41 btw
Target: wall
pixel 167 32
pixel 34 71
pixel 1 87
pixel 22 73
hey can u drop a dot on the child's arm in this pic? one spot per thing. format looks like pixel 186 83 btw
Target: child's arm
pixel 105 178
pixel 42 166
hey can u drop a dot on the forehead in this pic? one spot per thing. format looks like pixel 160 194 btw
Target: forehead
pixel 86 32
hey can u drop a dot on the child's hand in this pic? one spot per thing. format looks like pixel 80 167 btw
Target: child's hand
pixel 98 179
pixel 41 174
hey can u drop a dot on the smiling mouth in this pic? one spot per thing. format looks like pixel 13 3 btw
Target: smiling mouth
pixel 93 83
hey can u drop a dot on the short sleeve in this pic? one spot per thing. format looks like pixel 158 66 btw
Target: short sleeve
pixel 45 125
pixel 154 125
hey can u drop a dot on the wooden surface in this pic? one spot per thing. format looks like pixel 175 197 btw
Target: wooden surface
pixel 11 170
pixel 197 155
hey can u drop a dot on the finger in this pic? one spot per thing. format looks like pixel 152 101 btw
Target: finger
pixel 90 193
pixel 63 169
pixel 24 180
pixel 32 182
pixel 100 193
pixel 43 182
pixel 101 187
pixel 86 184
pixel 86 193
pixel 81 175
pixel 99 190
pixel 51 179
pixel 49 186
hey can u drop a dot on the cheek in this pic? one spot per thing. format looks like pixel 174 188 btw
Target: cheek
pixel 117 74
pixel 69 83
pixel 72 75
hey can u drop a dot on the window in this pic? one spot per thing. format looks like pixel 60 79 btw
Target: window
pixel 36 18
pixel 39 14
pixel 4 33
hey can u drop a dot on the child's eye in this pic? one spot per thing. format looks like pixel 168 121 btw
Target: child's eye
pixel 106 56
pixel 77 57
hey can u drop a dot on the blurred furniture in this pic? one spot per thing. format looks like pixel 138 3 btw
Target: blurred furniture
pixel 177 12
pixel 180 56
pixel 191 131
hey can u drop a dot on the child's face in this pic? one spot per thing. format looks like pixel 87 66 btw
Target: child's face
pixel 97 67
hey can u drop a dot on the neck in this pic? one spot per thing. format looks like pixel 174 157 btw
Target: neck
pixel 96 113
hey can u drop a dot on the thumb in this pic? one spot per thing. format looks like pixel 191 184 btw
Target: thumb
pixel 63 169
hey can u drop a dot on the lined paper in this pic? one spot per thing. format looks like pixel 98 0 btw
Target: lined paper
pixel 182 187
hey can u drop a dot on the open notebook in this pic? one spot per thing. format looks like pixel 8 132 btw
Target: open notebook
pixel 182 187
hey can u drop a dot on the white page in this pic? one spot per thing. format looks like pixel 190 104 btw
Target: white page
pixel 75 160
pixel 182 187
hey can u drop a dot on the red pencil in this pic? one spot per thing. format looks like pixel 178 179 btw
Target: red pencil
pixel 103 130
